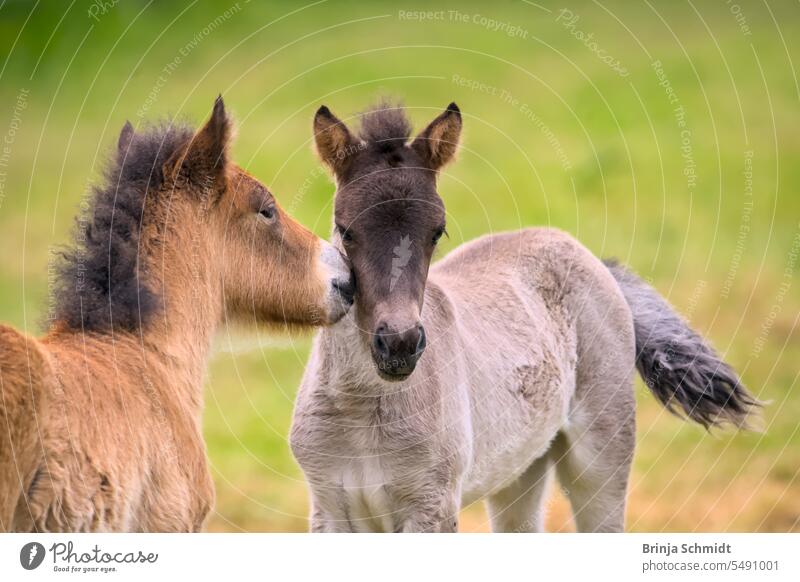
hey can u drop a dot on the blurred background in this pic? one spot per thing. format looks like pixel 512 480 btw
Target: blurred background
pixel 662 133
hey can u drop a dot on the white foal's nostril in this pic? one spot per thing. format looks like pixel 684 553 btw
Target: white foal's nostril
pixel 340 285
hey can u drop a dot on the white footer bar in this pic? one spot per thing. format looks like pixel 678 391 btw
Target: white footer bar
pixel 386 558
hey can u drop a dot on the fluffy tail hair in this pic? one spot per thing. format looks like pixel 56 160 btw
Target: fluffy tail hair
pixel 677 364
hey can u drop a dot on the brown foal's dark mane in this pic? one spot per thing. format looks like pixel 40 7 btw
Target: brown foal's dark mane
pixel 99 281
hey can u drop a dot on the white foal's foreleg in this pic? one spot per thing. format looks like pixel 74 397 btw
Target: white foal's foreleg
pixel 519 507
pixel 321 522
pixel 593 462
pixel 434 513
pixel 327 518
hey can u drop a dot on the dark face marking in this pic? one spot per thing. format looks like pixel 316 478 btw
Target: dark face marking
pixel 389 218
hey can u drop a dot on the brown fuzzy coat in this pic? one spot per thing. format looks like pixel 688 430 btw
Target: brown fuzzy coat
pixel 100 420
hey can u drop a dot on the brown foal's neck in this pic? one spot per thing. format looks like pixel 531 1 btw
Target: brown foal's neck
pixel 181 265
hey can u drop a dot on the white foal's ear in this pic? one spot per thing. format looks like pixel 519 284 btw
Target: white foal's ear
pixel 334 142
pixel 438 143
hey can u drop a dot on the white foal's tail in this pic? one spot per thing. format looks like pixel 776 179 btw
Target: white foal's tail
pixel 678 365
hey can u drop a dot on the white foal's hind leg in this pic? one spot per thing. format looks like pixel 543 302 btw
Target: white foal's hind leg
pixel 593 459
pixel 518 507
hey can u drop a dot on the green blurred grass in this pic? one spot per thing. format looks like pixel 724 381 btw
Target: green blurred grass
pixel 625 194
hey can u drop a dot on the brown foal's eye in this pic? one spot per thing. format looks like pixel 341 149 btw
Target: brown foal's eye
pixel 438 234
pixel 268 213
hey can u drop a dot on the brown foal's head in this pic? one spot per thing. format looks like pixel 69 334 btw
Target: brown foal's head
pixel 273 269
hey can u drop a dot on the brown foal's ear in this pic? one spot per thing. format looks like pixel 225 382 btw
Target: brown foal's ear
pixel 125 138
pixel 335 143
pixel 438 143
pixel 203 161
